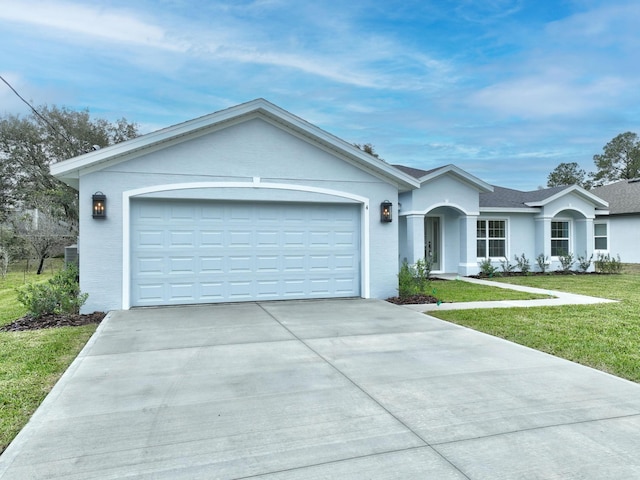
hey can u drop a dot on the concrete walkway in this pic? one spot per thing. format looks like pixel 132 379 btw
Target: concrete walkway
pixel 560 298
pixel 322 389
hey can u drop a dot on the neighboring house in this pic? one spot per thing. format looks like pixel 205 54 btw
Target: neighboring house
pixel 619 232
pixel 254 203
pixel 459 221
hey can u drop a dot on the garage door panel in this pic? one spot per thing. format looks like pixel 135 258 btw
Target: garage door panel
pixel 224 251
pixel 210 238
pixel 182 238
pixel 150 238
pixel 180 265
pixel 211 265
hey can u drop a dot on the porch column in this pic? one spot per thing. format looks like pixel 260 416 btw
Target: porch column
pixel 468 245
pixel 543 238
pixel 415 238
pixel 584 240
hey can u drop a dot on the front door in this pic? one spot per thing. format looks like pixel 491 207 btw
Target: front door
pixel 432 241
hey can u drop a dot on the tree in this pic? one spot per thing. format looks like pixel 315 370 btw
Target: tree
pixel 368 148
pixel 29 145
pixel 44 229
pixel 568 174
pixel 620 159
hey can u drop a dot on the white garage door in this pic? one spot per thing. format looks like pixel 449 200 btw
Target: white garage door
pixel 186 251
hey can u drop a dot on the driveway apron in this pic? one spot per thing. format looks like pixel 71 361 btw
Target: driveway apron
pixel 322 389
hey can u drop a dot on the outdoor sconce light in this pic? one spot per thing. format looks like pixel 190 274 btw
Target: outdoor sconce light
pixel 385 211
pixel 99 205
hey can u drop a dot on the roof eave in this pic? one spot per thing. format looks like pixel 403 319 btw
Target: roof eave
pixel 481 185
pixel 69 170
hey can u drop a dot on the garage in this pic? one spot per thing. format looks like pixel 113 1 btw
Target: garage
pixel 205 251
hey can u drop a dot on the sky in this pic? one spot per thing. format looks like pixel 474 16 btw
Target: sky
pixel 505 89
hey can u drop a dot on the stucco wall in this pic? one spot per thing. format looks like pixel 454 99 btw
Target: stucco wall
pixel 624 237
pixel 446 190
pixel 238 153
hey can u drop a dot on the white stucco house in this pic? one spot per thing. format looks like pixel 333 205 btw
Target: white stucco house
pixel 254 203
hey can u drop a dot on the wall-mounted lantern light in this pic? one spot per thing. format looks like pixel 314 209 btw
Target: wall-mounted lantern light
pixel 99 205
pixel 385 211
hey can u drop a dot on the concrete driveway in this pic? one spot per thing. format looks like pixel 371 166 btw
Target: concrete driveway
pixel 322 389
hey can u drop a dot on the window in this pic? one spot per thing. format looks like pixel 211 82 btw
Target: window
pixel 600 237
pixel 492 238
pixel 559 238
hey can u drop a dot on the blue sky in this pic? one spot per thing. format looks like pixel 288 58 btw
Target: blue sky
pixel 505 89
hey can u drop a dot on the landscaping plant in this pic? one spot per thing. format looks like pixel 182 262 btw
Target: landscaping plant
pixel 584 263
pixel 58 295
pixel 566 261
pixel 543 262
pixel 608 264
pixel 523 264
pixel 414 279
pixel 487 269
pixel 507 266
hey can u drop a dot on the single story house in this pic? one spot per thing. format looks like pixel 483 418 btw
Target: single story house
pixel 619 232
pixel 459 221
pixel 254 203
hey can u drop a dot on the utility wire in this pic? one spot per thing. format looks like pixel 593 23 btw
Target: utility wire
pixel 55 130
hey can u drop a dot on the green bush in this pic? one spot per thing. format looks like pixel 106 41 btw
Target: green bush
pixel 584 263
pixel 566 261
pixel 414 279
pixel 487 269
pixel 523 263
pixel 507 266
pixel 59 295
pixel 541 261
pixel 608 264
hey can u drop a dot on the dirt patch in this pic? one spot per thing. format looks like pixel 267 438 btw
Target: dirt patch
pixel 53 321
pixel 413 300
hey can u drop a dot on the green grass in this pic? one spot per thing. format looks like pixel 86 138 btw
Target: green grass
pixel 31 362
pixel 461 291
pixel 604 336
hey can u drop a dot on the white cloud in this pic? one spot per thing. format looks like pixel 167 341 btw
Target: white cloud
pixel 548 95
pixel 111 25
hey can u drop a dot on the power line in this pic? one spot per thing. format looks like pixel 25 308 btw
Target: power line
pixel 36 112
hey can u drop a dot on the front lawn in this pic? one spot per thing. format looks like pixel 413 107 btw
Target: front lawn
pixel 31 362
pixel 604 336
pixel 460 291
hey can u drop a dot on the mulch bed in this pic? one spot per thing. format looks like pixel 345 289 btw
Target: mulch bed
pixel 413 300
pixel 52 321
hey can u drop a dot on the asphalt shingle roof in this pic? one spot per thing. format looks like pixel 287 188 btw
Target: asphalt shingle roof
pixel 502 197
pixel 415 172
pixel 623 196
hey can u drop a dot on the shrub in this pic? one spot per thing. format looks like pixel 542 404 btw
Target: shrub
pixel 542 262
pixel 566 261
pixel 584 263
pixel 523 264
pixel 507 266
pixel 406 282
pixel 487 269
pixel 60 294
pixel 414 279
pixel 422 273
pixel 608 264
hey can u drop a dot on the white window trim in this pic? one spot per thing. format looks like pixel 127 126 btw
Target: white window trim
pixel 608 236
pixel 569 239
pixel 506 238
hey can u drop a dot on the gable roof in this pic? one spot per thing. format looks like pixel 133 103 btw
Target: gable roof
pixel 427 175
pixel 70 170
pixel 502 197
pixel 623 196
